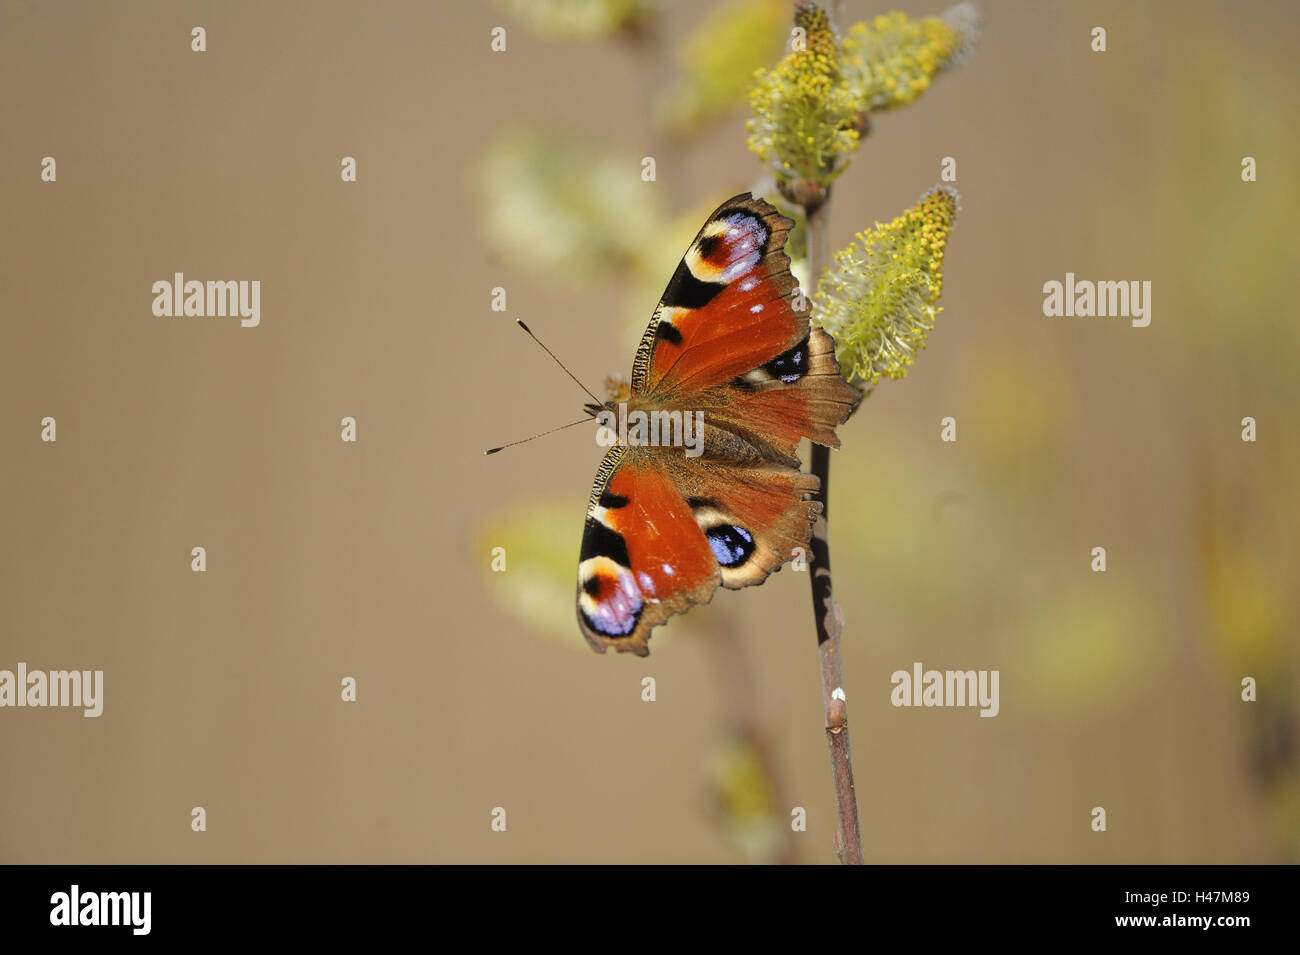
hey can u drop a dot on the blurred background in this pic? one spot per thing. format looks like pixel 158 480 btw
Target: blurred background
pixel 522 170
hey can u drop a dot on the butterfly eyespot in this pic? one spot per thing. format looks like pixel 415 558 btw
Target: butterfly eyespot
pixel 732 545
pixel 790 366
pixel 708 245
pixel 746 239
pixel 609 599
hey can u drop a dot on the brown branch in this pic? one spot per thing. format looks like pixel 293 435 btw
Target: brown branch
pixel 826 614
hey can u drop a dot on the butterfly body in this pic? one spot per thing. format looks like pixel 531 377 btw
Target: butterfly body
pixel 725 349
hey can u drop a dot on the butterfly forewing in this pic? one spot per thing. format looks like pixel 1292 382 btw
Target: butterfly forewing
pixel 727 308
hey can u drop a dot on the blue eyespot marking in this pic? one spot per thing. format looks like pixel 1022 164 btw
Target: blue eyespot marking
pixel 790 366
pixel 731 545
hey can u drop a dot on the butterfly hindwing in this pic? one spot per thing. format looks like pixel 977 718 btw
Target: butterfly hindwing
pixel 752 517
pixel 776 404
pixel 643 558
pixel 661 536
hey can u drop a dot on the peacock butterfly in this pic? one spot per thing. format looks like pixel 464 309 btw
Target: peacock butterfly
pixel 664 527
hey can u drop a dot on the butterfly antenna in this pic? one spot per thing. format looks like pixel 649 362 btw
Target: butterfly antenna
pixel 543 434
pixel 558 362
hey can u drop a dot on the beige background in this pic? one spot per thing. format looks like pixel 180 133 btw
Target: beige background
pixel 328 559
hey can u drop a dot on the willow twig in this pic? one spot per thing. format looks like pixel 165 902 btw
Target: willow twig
pixel 826 614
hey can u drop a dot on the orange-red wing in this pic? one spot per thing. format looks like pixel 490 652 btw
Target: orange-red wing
pixel 643 556
pixel 726 339
pixel 661 535
pixel 727 308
